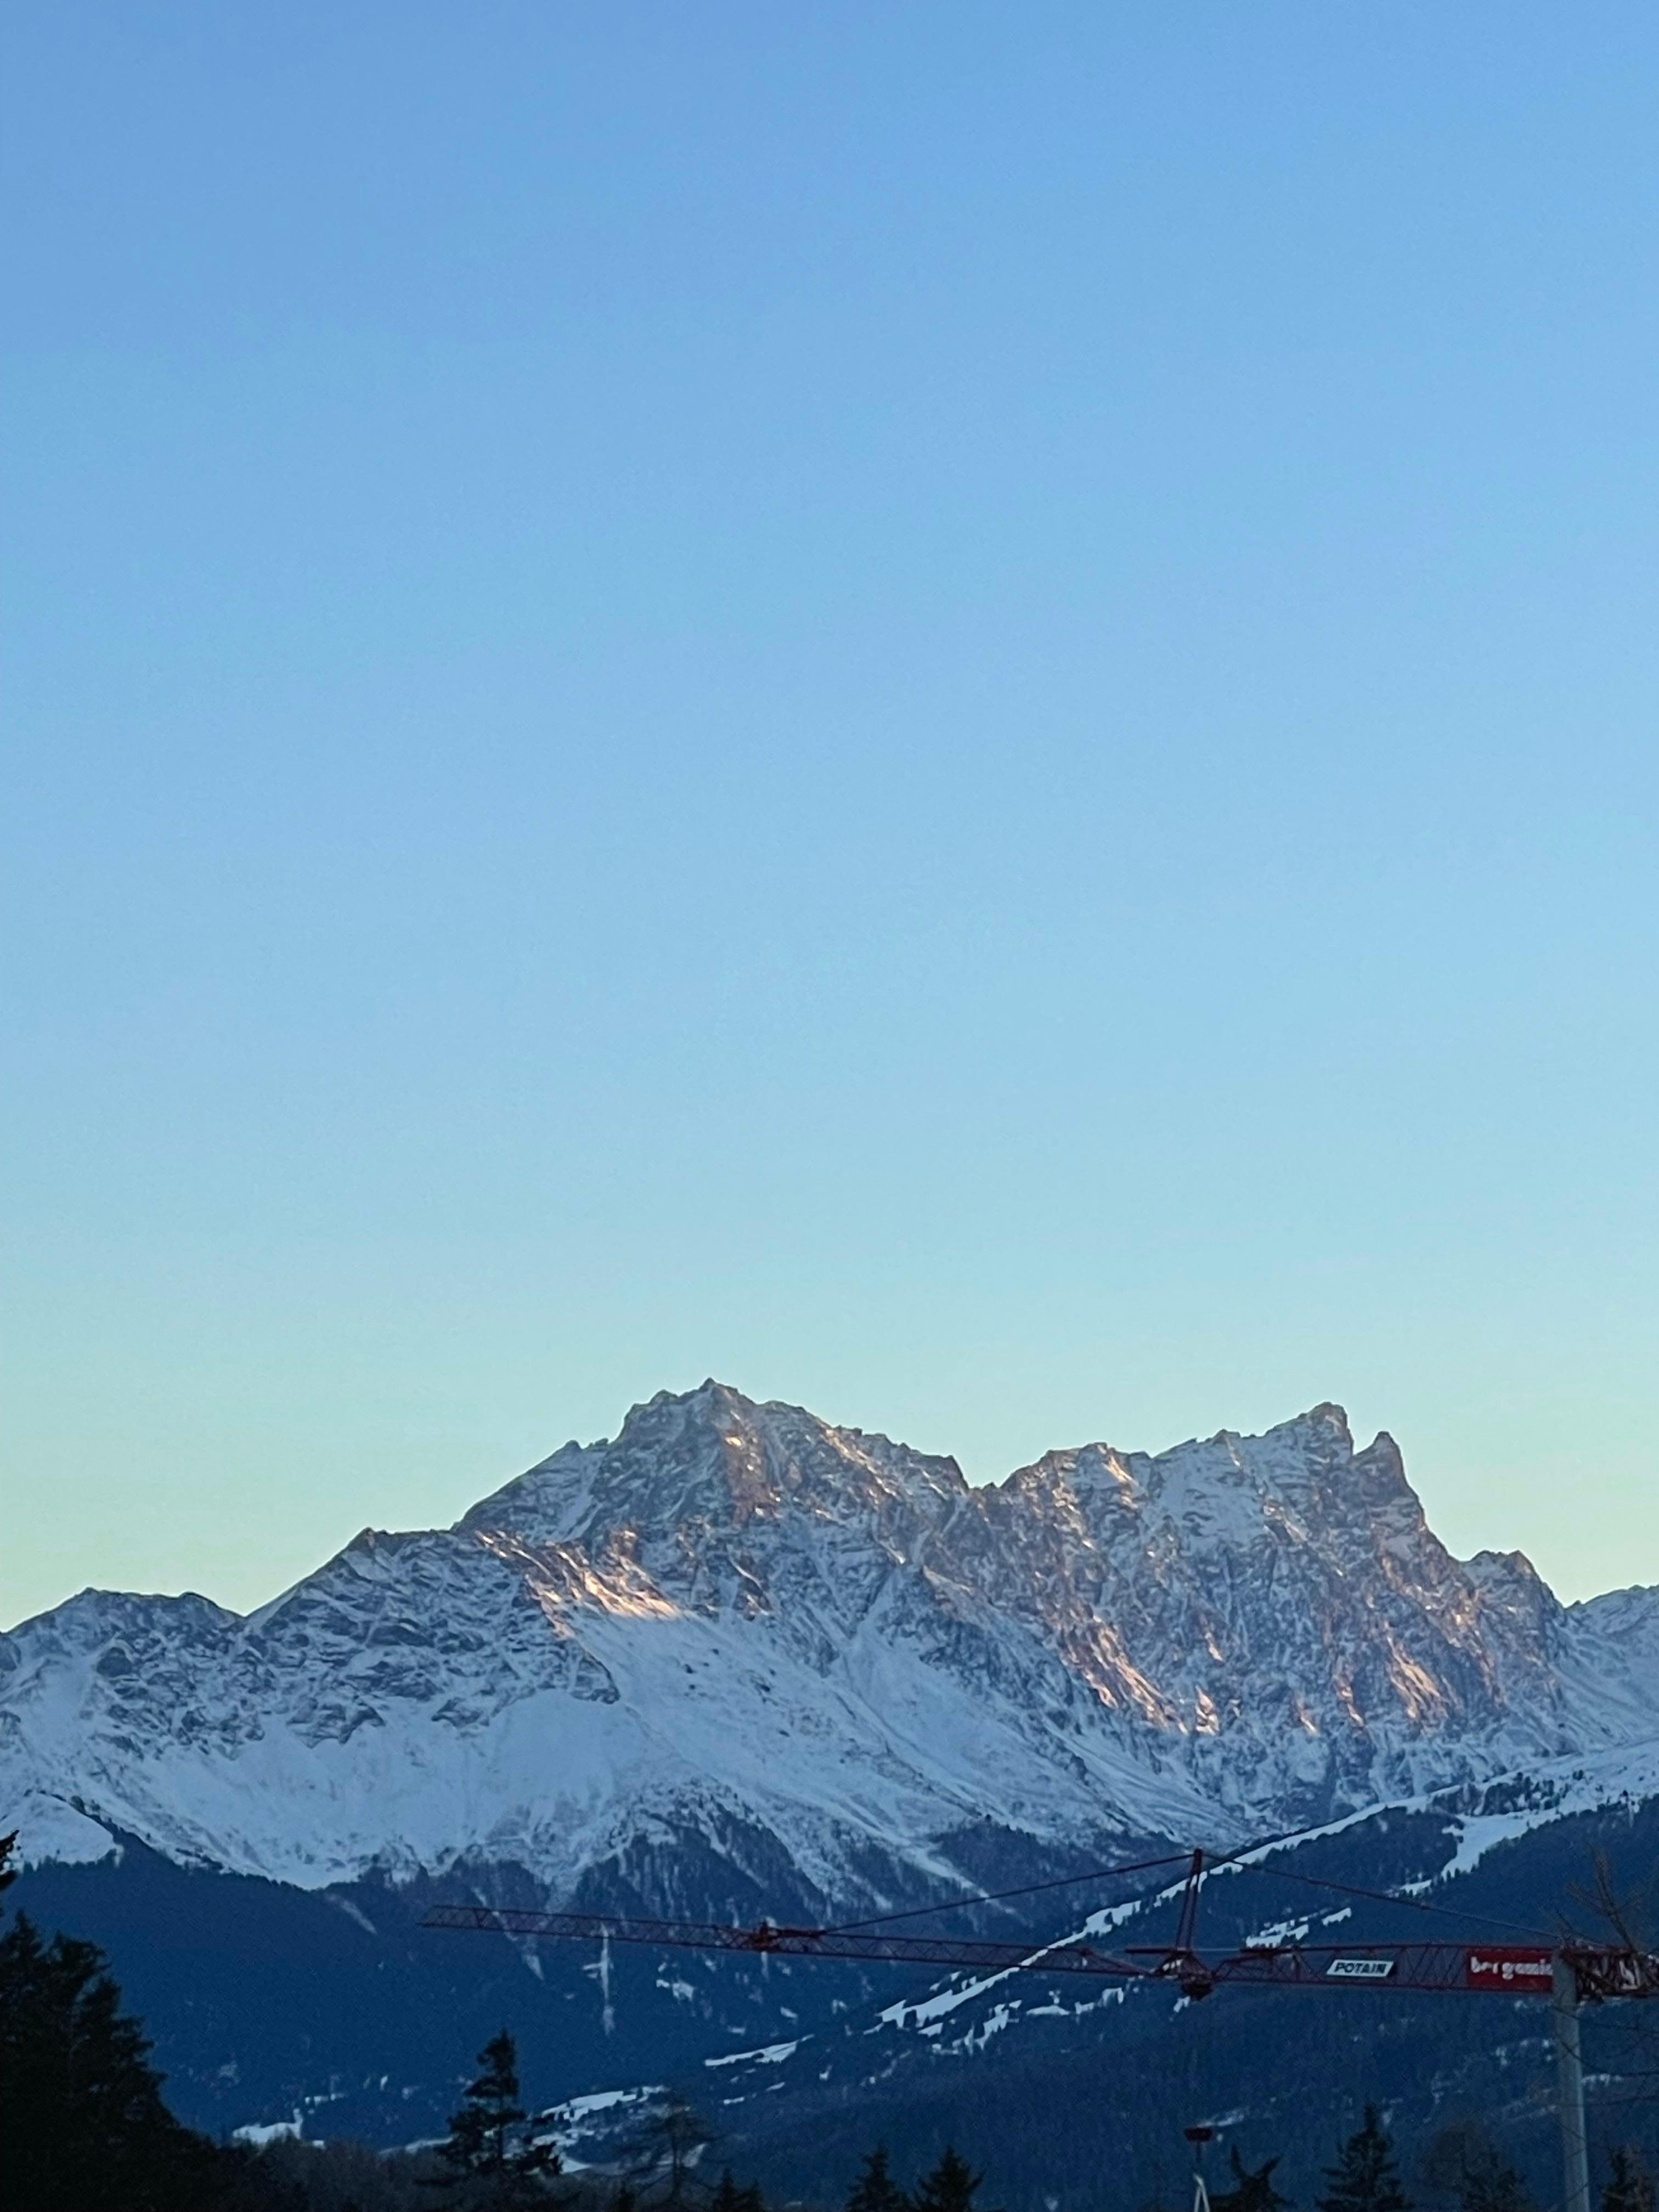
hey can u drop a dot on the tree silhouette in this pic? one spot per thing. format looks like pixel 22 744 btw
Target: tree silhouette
pixel 1630 2185
pixel 1488 2183
pixel 728 2197
pixel 670 2144
pixel 1365 2178
pixel 83 2116
pixel 1252 2189
pixel 875 2190
pixel 479 2130
pixel 491 2157
pixel 951 2187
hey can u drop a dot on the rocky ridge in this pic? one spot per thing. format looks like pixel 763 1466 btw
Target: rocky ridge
pixel 826 1658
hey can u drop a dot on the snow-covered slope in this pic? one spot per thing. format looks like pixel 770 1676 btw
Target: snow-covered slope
pixel 825 1660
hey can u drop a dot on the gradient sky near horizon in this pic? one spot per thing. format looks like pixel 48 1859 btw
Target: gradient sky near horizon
pixel 947 709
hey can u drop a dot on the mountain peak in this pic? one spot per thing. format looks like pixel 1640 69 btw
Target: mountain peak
pixel 713 1458
pixel 673 1412
pixel 1326 1415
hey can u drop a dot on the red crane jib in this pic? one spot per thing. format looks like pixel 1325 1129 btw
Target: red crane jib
pixel 1599 1971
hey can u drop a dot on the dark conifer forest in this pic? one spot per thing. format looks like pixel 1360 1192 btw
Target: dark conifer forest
pixel 87 2128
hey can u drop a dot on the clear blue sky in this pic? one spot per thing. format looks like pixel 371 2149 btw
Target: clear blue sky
pixel 948 709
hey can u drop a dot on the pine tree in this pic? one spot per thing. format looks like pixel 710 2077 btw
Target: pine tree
pixel 1365 2178
pixel 479 2131
pixel 1252 2189
pixel 728 2197
pixel 83 2116
pixel 1490 2184
pixel 669 2146
pixel 1630 2185
pixel 951 2187
pixel 875 2190
pixel 492 2160
pixel 1462 2163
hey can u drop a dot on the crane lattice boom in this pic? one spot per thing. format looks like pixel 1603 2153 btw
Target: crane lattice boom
pixel 1598 1970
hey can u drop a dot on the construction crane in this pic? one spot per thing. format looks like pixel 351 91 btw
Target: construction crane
pixel 1570 1974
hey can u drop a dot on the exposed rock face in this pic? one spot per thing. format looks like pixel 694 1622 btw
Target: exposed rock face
pixel 818 1651
pixel 1279 1606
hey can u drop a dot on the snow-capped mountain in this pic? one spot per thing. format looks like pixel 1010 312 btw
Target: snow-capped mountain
pixel 826 1660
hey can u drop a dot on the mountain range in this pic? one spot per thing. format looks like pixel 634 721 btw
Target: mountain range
pixel 739 1659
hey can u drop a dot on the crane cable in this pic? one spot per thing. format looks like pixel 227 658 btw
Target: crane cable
pixel 1244 1859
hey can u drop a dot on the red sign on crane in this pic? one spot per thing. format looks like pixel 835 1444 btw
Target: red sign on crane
pixel 1504 1966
